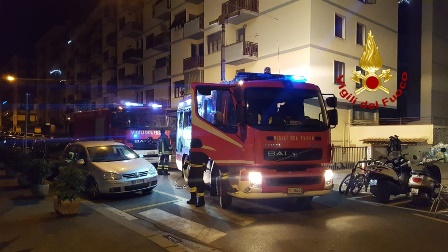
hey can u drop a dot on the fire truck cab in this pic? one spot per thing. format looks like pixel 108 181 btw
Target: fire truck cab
pixel 270 132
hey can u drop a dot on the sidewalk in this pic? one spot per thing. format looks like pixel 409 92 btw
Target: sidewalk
pixel 30 224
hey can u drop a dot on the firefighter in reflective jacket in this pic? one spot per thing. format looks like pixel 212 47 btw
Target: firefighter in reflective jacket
pixel 164 148
pixel 196 178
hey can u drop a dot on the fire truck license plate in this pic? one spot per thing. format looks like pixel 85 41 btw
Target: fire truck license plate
pixel 293 190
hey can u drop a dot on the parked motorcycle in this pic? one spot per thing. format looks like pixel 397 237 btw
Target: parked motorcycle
pixel 390 179
pixel 425 183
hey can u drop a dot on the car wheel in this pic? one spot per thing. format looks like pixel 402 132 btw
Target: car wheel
pixel 92 188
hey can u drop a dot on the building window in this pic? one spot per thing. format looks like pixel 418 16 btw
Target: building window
pixel 339 69
pixel 121 73
pixel 240 35
pixel 214 42
pixel 360 34
pixel 150 41
pixel 149 96
pixel 359 69
pixel 179 88
pixel 339 26
pixel 362 114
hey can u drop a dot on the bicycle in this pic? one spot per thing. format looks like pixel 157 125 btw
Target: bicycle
pixel 354 183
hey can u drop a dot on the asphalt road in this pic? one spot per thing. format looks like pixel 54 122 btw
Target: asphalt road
pixel 333 223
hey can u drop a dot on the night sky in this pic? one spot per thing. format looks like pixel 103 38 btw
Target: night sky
pixel 23 22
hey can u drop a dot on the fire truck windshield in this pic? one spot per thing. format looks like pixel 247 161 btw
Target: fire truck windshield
pixel 285 109
pixel 139 118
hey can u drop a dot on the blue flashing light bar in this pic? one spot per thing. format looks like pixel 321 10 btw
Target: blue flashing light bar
pixel 246 76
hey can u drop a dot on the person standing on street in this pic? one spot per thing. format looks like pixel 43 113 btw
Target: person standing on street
pixel 164 148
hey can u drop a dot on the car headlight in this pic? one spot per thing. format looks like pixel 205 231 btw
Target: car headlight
pixel 152 170
pixel 255 179
pixel 111 176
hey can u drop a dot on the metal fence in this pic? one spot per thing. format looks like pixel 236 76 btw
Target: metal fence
pixel 346 157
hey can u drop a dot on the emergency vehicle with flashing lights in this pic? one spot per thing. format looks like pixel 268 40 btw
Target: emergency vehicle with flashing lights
pixel 271 132
pixel 133 124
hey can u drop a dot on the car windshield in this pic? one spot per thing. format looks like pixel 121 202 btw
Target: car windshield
pixel 108 153
pixel 285 109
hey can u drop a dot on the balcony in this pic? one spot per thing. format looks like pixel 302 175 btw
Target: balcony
pixel 132 5
pixel 95 71
pixel 162 9
pixel 111 86
pixel 241 53
pixel 132 29
pixel 82 76
pixel 111 39
pixel 162 74
pixel 194 1
pixel 82 57
pixel 132 80
pixel 132 56
pixel 194 28
pixel 162 42
pixel 193 63
pixel 110 63
pixel 241 10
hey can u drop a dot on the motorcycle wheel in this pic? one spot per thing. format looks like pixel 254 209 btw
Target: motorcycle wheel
pixel 344 184
pixel 422 199
pixel 358 184
pixel 382 193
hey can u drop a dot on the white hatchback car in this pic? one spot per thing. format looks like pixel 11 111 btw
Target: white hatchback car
pixel 113 167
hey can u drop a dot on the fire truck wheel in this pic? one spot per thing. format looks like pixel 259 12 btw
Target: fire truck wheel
pixel 225 200
pixel 214 182
pixel 92 188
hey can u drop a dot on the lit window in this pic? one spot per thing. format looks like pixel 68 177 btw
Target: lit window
pixel 339 26
pixel 339 69
pixel 360 34
pixel 359 69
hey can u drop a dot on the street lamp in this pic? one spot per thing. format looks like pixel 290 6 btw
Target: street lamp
pixel 222 20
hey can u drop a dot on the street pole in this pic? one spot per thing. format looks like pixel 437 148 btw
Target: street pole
pixel 26 122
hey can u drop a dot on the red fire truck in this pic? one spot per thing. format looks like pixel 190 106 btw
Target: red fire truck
pixel 270 132
pixel 135 125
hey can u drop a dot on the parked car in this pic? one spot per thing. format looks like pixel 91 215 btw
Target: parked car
pixel 50 148
pixel 113 167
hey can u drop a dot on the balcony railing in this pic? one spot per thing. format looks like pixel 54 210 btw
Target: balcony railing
pixel 162 41
pixel 241 10
pixel 82 76
pixel 132 5
pixel 194 1
pixel 132 29
pixel 132 55
pixel 194 28
pixel 111 86
pixel 111 39
pixel 133 80
pixel 241 53
pixel 193 63
pixel 162 9
pixel 162 74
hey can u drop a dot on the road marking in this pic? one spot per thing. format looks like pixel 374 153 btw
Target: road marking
pixel 432 218
pixel 148 206
pixel 183 225
pixel 218 213
pixel 169 194
pixel 398 203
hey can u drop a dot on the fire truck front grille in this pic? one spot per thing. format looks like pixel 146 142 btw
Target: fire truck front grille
pixel 287 155
pixel 290 181
pixel 135 175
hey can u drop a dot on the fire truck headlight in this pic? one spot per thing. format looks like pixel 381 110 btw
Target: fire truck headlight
pixel 255 178
pixel 111 176
pixel 328 177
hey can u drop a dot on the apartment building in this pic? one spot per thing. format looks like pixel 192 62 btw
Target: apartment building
pixel 150 51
